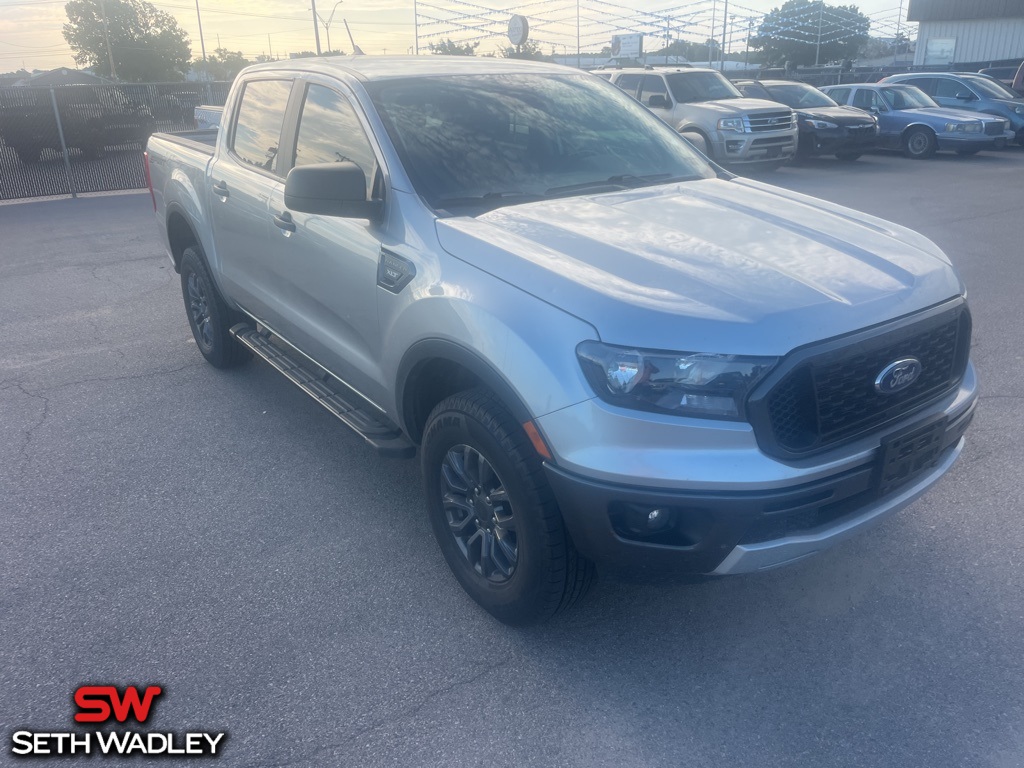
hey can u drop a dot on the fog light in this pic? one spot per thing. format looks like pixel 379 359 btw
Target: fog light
pixel 733 146
pixel 658 518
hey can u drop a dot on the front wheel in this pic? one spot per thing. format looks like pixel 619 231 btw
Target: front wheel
pixel 493 514
pixel 920 143
pixel 697 141
pixel 208 315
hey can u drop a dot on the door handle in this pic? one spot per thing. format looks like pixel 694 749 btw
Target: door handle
pixel 284 222
pixel 221 190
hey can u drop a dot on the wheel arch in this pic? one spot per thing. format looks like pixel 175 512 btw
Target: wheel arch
pixel 180 234
pixel 433 369
pixel 909 128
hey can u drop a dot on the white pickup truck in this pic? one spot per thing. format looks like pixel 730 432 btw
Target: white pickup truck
pixel 604 349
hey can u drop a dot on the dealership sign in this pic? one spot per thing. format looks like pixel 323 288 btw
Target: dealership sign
pixel 627 46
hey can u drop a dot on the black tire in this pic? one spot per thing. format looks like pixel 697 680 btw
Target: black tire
pixel 93 151
pixel 967 152
pixel 697 141
pixel 848 157
pixel 919 143
pixel 493 513
pixel 208 315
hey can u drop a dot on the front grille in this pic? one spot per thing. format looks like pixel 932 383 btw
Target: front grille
pixel 994 128
pixel 831 397
pixel 861 130
pixel 772 141
pixel 768 121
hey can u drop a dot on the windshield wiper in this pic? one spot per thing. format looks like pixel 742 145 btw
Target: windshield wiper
pixel 489 201
pixel 617 183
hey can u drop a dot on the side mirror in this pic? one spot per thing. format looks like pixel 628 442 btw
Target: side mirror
pixel 330 189
pixel 965 96
pixel 657 101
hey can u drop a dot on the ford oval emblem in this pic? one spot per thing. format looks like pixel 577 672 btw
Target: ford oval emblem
pixel 898 375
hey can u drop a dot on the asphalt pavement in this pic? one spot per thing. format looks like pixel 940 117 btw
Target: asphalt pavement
pixel 218 534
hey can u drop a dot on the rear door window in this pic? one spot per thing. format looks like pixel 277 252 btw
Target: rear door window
pixel 260 118
pixel 947 88
pixel 628 83
pixel 926 84
pixel 839 95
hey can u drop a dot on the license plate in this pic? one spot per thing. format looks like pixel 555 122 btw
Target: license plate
pixel 908 454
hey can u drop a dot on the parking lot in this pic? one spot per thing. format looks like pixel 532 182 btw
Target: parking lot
pixel 218 534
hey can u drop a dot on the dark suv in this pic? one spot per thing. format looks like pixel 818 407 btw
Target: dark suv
pixel 825 127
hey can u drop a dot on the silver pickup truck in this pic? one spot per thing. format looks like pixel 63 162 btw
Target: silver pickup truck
pixel 605 350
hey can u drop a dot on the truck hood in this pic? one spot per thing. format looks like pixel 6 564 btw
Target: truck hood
pixel 733 107
pixel 709 266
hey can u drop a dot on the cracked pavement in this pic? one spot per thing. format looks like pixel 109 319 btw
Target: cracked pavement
pixel 218 534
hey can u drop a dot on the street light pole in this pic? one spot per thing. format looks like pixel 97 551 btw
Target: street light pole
pixel 896 43
pixel 316 27
pixel 725 26
pixel 106 36
pixel 327 24
pixel 817 50
pixel 202 43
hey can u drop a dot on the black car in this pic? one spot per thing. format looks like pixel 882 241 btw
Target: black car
pixel 825 127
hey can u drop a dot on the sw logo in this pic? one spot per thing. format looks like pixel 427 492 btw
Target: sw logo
pixel 102 703
pixel 98 702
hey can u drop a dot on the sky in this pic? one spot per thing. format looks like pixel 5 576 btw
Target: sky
pixel 30 30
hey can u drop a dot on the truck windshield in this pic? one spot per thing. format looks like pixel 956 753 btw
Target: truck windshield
pixel 483 141
pixel 689 87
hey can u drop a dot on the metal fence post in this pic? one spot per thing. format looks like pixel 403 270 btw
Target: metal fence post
pixel 63 146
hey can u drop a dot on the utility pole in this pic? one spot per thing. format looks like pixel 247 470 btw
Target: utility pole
pixel 316 27
pixel 725 27
pixel 106 36
pixel 711 37
pixel 896 44
pixel 202 43
pixel 746 53
pixel 578 34
pixel 817 50
pixel 415 28
pixel 270 45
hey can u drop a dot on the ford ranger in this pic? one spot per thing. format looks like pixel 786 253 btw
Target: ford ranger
pixel 605 350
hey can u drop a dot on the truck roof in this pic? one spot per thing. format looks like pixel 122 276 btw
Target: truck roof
pixel 387 67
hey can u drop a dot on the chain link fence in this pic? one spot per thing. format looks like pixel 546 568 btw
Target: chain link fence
pixel 89 138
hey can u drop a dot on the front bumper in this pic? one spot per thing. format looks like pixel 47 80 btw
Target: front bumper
pixel 731 148
pixel 974 142
pixel 842 139
pixel 725 532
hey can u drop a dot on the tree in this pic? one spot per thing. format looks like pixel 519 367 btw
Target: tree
pixel 146 44
pixel 448 48
pixel 792 32
pixel 528 50
pixel 222 64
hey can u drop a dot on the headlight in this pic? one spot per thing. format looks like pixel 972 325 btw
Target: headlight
pixel 821 125
pixel 731 124
pixel 963 127
pixel 681 383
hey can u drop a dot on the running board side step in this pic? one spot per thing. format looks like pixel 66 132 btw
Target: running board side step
pixel 327 390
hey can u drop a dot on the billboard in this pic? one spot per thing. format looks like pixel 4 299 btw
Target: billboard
pixel 627 46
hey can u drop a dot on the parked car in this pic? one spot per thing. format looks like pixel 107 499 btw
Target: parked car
pixel 969 91
pixel 1005 75
pixel 92 118
pixel 708 111
pixel 909 120
pixel 491 261
pixel 825 127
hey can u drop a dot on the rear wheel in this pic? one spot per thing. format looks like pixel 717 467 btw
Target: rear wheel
pixel 208 315
pixel 493 514
pixel 848 157
pixel 28 155
pixel 919 143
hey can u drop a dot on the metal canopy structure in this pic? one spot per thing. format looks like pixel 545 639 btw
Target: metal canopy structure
pixel 586 26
